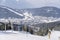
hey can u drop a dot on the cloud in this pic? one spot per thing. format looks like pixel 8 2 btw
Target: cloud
pixel 40 3
pixel 17 0
pixel 2 1
pixel 17 4
pixel 30 3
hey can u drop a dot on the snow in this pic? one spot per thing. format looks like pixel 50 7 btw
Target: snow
pixel 13 11
pixel 15 35
pixel 55 35
pixel 28 16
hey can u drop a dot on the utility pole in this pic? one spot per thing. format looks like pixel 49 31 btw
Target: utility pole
pixel 5 24
pixel 5 27
pixel 12 26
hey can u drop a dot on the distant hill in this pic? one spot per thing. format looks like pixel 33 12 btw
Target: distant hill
pixel 6 12
pixel 45 11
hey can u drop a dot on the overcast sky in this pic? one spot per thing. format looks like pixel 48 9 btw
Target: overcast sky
pixel 21 4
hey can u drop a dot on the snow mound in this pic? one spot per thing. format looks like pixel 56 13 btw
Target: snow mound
pixel 25 36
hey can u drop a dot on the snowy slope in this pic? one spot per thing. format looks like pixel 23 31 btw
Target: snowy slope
pixel 13 11
pixel 24 36
pixel 6 12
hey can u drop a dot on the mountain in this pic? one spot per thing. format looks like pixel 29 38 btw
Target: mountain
pixel 45 11
pixel 35 15
pixel 6 12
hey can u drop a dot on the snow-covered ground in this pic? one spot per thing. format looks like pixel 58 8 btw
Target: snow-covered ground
pixel 9 35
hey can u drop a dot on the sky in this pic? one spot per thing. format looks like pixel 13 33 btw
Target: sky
pixel 22 4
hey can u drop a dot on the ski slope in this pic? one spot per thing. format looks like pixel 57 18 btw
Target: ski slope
pixel 13 11
pixel 9 35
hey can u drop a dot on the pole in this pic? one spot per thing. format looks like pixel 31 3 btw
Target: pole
pixel 5 27
pixel 49 34
pixel 12 26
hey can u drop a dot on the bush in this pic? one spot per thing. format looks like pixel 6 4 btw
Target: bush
pixel 42 32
